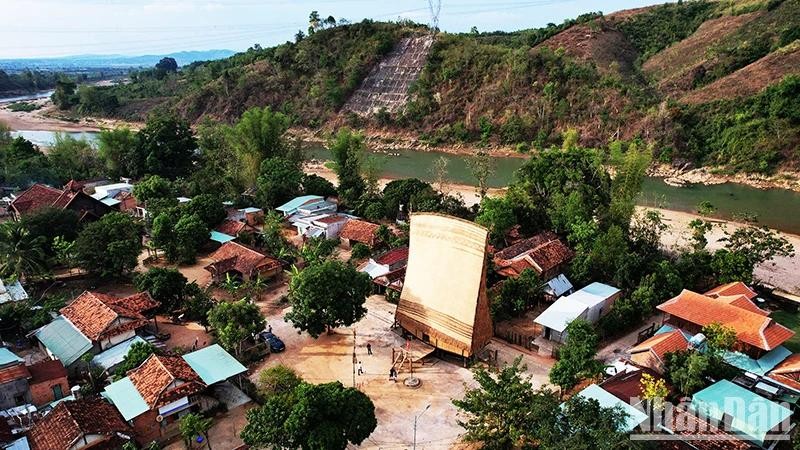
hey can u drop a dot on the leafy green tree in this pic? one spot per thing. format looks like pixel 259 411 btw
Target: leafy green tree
pixel 22 163
pixel 51 223
pixel 259 134
pixel 728 266
pixel 686 370
pixel 274 241
pixel 279 181
pixel 234 322
pixel 482 167
pixel 517 295
pixel 208 208
pixel 64 94
pixel 758 244
pixel 627 183
pixel 21 254
pixel 496 214
pixel 316 185
pixel 401 192
pixel 311 418
pixel 166 285
pixel 360 251
pixel 164 147
pixel 585 425
pixel 190 233
pixel 278 380
pixel 348 153
pixel 197 303
pixel 73 159
pixel 317 250
pixel 327 295
pixel 65 252
pixel 110 246
pixel 193 425
pixel 167 64
pixel 153 187
pixel 137 354
pixel 576 357
pixel 719 336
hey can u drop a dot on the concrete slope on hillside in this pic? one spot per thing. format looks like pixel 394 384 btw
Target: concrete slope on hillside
pixel 751 79
pixel 386 87
pixel 673 67
pixel 598 43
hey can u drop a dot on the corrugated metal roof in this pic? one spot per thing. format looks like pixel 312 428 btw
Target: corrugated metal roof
pixel 214 364
pixel 250 210
pixel 292 205
pixel 8 357
pixel 558 315
pixel 63 340
pixel 608 400
pixel 558 286
pixel 222 238
pixel 726 398
pixel 760 366
pixel 13 292
pixel 110 201
pixel 126 398
pixel 114 355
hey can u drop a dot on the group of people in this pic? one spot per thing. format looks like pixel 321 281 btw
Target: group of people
pixel 360 366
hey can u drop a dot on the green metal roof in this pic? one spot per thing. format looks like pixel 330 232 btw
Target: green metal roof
pixel 292 205
pixel 116 354
pixel 760 366
pixel 126 398
pixel 608 400
pixel 63 340
pixel 214 364
pixel 222 238
pixel 753 416
pixel 8 357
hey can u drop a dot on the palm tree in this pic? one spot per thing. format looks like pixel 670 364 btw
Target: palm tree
pixel 231 284
pixel 21 255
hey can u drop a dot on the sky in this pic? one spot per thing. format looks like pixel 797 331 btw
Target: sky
pixel 42 28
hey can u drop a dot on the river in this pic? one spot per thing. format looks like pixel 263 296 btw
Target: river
pixel 776 208
pixel 32 96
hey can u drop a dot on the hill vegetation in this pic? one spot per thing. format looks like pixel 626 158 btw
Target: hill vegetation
pixel 690 78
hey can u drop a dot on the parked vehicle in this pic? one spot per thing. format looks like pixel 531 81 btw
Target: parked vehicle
pixel 275 344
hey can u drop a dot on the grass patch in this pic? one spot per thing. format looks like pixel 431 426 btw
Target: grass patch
pixel 789 320
pixel 23 106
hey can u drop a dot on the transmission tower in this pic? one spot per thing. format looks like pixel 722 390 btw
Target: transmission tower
pixel 435 7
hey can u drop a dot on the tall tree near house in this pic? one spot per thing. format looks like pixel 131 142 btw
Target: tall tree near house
pixel 348 155
pixel 439 173
pixel 21 254
pixel 758 244
pixel 112 148
pixel 630 172
pixel 65 252
pixel 152 188
pixel 482 167
pixel 137 354
pixel 110 246
pixel 193 425
pixel 165 285
pixel 327 295
pixel 719 337
pixel 208 208
pixel 576 358
pixel 258 135
pixel 234 322
pixel 51 223
pixel 279 180
pixel 164 147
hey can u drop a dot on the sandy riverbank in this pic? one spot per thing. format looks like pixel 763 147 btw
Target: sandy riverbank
pixel 782 272
pixel 47 119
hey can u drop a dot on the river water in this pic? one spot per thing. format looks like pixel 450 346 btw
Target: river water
pixel 33 96
pixel 776 208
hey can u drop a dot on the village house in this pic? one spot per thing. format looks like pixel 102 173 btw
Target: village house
pixel 544 253
pixel 229 230
pixel 311 204
pixel 323 225
pixel 12 292
pixel 71 197
pixel 359 231
pixel 155 395
pixel 114 194
pixel 14 388
pixel 590 304
pixel 241 262
pixel 652 351
pixel 387 269
pixel 729 305
pixel 80 424
pixel 48 382
pixel 95 323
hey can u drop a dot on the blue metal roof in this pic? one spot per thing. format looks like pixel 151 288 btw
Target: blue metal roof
pixel 600 290
pixel 63 340
pixel 757 366
pixel 751 415
pixel 250 210
pixel 222 238
pixel 126 398
pixel 116 354
pixel 292 205
pixel 608 400
pixel 213 364
pixel 8 357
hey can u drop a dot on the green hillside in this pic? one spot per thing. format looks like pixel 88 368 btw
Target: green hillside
pixel 690 78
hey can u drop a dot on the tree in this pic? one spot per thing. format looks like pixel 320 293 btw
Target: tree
pixel 686 370
pixel 576 357
pixel 348 152
pixel 21 254
pixel 399 193
pixel 699 228
pixel 311 418
pixel 517 295
pixel 190 233
pixel 65 252
pixel 654 390
pixel 316 185
pixel 167 64
pixel 152 188
pixel 165 285
pixel 482 167
pixel 278 380
pixel 496 214
pixel 234 322
pixel 64 94
pixel 729 266
pixel 327 295
pixel 497 409
pixel 22 163
pixel 313 22
pixel 73 159
pixel 208 208
pixel 110 246
pixel 758 244
pixel 197 303
pixel 164 147
pixel 259 134
pixel 279 181
pixel 50 223
pixel 630 172
pixel 137 354
pixel 360 251
pixel 719 337
pixel 193 425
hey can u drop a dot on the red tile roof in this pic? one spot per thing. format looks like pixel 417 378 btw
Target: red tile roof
pixel 788 372
pixel 393 256
pixel 47 370
pixel 732 289
pixel 96 315
pixel 234 227
pixel 627 386
pixel 751 328
pixel 241 258
pixel 663 343
pixel 700 433
pixel 72 420
pixel 37 196
pixel 360 231
pixel 542 252
pixel 16 372
pixel 154 378
pixel 333 218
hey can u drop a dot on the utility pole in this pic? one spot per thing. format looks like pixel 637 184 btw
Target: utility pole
pixel 415 424
pixel 355 360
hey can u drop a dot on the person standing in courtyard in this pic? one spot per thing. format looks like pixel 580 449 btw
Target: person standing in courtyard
pixel 369 348
pixel 360 368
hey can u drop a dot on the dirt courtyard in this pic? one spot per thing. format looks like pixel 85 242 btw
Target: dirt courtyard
pixel 329 358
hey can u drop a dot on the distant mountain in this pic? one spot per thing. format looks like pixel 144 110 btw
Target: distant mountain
pixel 107 61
